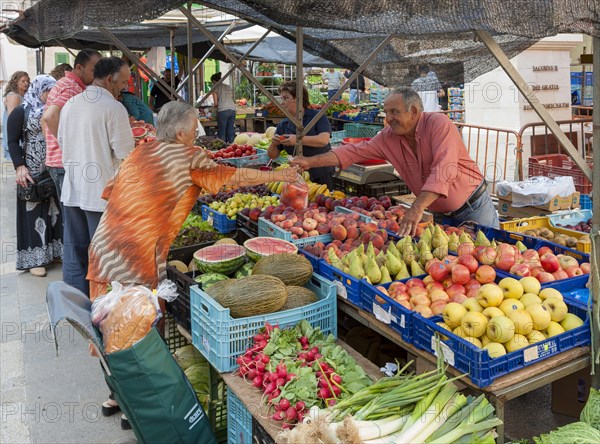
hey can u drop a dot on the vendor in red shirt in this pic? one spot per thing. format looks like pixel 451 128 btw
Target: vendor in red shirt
pixel 427 151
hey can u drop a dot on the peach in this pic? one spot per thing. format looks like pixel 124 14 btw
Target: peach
pixel 377 241
pixel 370 227
pixel 339 232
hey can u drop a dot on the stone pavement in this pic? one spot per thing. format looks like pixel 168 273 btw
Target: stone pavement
pixel 44 398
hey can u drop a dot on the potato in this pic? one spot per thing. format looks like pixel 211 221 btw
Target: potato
pixel 571 242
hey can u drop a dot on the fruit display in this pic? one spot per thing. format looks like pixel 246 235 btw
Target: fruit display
pixel 212 143
pixel 256 205
pixel 142 132
pixel 233 150
pixel 555 237
pixel 255 139
pixel 298 368
pixel 293 269
pixel 259 247
pixel 195 231
pixel 583 226
pixel 222 196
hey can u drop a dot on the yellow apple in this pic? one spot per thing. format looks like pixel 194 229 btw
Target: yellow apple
pixel 557 308
pixel 509 305
pixel 535 336
pixel 530 298
pixel 471 304
pixel 571 321
pixel 517 342
pixel 474 324
pixel 500 329
pixel 492 312
pixel 453 313
pixel 444 326
pixel 458 331
pixel 511 287
pixel 476 342
pixel 554 328
pixel 530 285
pixel 522 320
pixel 485 340
pixel 550 292
pixel 539 315
pixel 495 349
pixel 490 295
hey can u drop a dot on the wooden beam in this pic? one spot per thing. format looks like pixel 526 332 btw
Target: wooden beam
pixel 530 96
pixel 298 151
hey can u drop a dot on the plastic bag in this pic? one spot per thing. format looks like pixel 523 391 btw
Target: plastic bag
pixel 536 190
pixel 125 315
pixel 295 194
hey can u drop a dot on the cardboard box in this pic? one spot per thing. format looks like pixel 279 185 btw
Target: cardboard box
pixel 556 203
pixel 570 393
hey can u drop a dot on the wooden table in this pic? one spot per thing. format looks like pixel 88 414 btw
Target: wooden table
pixel 503 389
pixel 251 397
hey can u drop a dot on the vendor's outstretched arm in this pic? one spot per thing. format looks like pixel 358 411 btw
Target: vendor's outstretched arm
pixel 321 160
pixel 410 221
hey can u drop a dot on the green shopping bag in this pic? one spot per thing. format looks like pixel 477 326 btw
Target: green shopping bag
pixel 150 387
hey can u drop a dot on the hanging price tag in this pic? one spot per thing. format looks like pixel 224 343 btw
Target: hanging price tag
pixel 384 316
pixel 437 345
pixel 206 344
pixel 341 290
pixel 210 220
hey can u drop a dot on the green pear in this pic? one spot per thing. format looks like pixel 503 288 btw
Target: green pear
pixel 370 251
pixel 439 238
pixel 425 254
pixel 464 237
pixel 427 235
pixel 415 269
pixel 372 271
pixel 520 246
pixel 392 262
pixel 380 258
pixel 334 260
pixel 481 240
pixel 408 253
pixel 453 243
pixel 440 252
pixel 493 244
pixel 423 243
pixel 403 273
pixel 393 249
pixel 385 275
pixel 356 268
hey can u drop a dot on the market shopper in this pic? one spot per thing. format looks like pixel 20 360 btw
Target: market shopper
pixel 135 107
pixel 60 70
pixel 13 96
pixel 335 80
pixel 314 143
pixel 157 97
pixel 357 87
pixel 95 136
pixel 427 87
pixel 428 152
pixel 73 83
pixel 223 101
pixel 150 198
pixel 39 224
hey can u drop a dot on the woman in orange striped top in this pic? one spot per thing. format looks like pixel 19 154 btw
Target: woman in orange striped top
pixel 150 197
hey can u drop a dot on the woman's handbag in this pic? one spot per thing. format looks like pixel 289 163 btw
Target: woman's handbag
pixel 42 189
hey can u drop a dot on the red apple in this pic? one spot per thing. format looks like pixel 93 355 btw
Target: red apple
pixel 466 248
pixel 437 295
pixel 573 271
pixel 429 263
pixel 544 250
pixel 477 252
pixel 560 274
pixel 545 277
pixel 505 262
pixel 488 256
pixel 405 304
pixel 469 261
pixel 397 287
pixel 485 274
pixel 537 270
pixel 520 270
pixel 434 286
pixel 472 284
pixel 549 262
pixel 437 307
pixel 585 267
pixel 460 274
pixel 420 299
pixel 458 298
pixel 438 271
pixel 455 289
pixel 472 293
pixel 530 254
pixel 415 282
pixel 448 282
pixel 428 280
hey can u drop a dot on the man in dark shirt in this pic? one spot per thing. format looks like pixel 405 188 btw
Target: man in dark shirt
pixel 357 87
pixel 157 97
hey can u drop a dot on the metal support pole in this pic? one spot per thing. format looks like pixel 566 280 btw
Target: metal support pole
pixel 162 85
pixel 530 96
pixel 299 91
pixel 236 62
pixel 172 55
pixel 190 62
pixel 347 83
pixel 595 287
pixel 67 49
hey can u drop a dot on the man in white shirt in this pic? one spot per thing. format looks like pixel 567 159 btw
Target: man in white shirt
pixel 95 136
pixel 427 86
pixel 335 79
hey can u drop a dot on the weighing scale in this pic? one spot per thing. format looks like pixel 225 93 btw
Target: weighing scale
pixel 371 171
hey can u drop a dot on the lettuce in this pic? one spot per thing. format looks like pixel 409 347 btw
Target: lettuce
pixel 591 412
pixel 574 433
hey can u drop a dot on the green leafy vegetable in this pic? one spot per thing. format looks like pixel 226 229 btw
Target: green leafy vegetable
pixel 591 412
pixel 574 433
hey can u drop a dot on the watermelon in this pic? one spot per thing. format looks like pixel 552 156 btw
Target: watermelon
pixel 222 258
pixel 245 270
pixel 138 132
pixel 259 247
pixel 207 279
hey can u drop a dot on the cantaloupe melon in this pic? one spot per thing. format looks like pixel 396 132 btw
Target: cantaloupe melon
pixel 180 266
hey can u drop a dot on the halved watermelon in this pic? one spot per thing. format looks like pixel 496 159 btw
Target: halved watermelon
pixel 259 247
pixel 222 258
pixel 138 131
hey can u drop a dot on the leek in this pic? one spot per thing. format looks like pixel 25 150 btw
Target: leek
pixel 453 406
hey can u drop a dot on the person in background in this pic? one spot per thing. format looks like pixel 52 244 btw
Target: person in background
pixel 157 97
pixel 73 83
pixel 335 80
pixel 59 70
pixel 13 96
pixel 429 154
pixel 314 143
pixel 443 97
pixel 356 87
pixel 223 101
pixel 135 107
pixel 39 224
pixel 95 136
pixel 427 86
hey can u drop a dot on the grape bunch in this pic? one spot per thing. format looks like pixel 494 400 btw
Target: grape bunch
pixel 222 196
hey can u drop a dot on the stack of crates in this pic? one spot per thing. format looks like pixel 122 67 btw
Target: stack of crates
pixel 456 100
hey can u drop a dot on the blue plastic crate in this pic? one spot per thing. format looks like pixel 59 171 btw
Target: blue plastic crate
pixel 261 157
pixel 585 202
pixel 369 130
pixel 337 136
pixel 269 229
pixel 221 338
pixel 572 217
pixel 219 221
pixel 239 421
pixel 350 288
pixel 573 289
pixel 476 362
pixel 352 129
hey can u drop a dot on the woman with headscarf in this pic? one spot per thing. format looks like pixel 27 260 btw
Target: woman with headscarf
pixel 39 224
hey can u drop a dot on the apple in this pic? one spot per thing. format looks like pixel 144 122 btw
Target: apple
pixel 544 250
pixel 509 305
pixel 585 267
pixel 472 284
pixel 453 314
pixel 571 321
pixel 520 270
pixel 535 271
pixel 439 295
pixel 492 312
pixel 405 303
pixel 500 329
pixel 423 310
pixel 472 293
pixel 471 304
pixel 459 298
pixel 530 255
pixel 485 274
pixel 561 274
pixel 550 293
pixel 530 285
pixel 455 289
pixel 522 320
pixel 469 261
pixel 490 295
pixel 444 326
pixel 529 298
pixel 517 342
pixel 535 336
pixel 549 262
pixel 573 271
pixel 567 261
pixel 428 280
pixel 495 349
pixel 397 287
pixel 476 342
pixel 505 262
pixel 554 329
pixel 465 248
pixel 415 282
pixel 539 315
pixel 511 288
pixel 460 274
pixel 545 277
pixel 488 256
pixel 557 308
pixel 458 331
pixel 485 340
pixel 420 299
pixel 438 271
pixel 438 307
pixel 448 282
